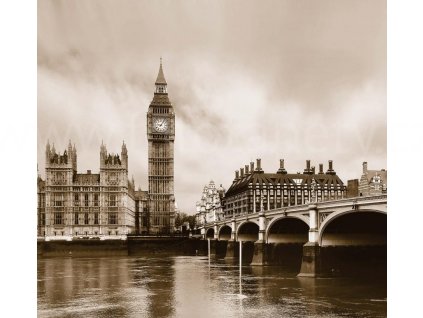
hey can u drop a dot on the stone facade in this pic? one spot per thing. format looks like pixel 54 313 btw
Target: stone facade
pixel 373 182
pixel 85 205
pixel 209 208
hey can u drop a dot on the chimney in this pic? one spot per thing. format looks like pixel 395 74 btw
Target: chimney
pixel 242 172
pixel 330 170
pixel 246 170
pixel 252 167
pixel 236 175
pixel 365 167
pixel 307 170
pixel 281 166
pixel 321 168
pixel 258 165
pixel 88 171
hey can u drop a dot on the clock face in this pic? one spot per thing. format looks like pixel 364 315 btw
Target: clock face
pixel 160 124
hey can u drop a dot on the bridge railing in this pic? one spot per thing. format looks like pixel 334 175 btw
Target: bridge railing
pixel 302 207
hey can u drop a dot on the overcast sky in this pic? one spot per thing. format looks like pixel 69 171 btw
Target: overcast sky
pixel 290 79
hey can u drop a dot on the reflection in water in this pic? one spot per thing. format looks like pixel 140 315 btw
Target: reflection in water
pixel 188 287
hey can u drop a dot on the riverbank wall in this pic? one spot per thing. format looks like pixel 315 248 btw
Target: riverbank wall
pixel 130 246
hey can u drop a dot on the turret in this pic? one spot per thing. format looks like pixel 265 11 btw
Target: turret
pixel 48 152
pixel 74 159
pixel 124 155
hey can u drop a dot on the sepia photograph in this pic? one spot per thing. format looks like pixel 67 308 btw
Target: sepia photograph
pixel 210 158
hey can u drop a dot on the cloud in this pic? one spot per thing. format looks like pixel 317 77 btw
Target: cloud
pixel 284 79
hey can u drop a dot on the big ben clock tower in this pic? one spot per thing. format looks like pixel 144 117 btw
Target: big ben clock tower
pixel 161 137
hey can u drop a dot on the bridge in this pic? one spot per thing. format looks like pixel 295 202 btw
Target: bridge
pixel 352 222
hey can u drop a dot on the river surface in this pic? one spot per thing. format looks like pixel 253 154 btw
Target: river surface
pixel 188 286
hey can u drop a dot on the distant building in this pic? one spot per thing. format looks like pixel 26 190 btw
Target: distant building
pixel 41 206
pixel 209 208
pixel 373 182
pixel 253 187
pixel 352 188
pixel 142 215
pixel 86 205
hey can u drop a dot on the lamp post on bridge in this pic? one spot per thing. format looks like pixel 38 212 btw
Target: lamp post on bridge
pixel 260 250
pixel 311 262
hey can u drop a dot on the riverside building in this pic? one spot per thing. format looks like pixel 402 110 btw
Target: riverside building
pixel 85 205
pixel 105 205
pixel 373 182
pixel 252 187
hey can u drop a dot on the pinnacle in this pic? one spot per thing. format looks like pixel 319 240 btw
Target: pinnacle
pixel 160 77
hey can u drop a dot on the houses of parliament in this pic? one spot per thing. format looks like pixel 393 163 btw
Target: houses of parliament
pixel 106 205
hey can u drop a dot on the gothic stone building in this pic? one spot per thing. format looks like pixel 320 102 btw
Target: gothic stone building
pixel 161 137
pixel 71 204
pixel 105 204
pixel 279 189
pixel 210 208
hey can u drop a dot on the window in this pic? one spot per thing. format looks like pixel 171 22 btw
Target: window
pixel 86 199
pixel 76 233
pixel 96 199
pixel 58 218
pixel 86 218
pixel 112 200
pixel 95 218
pixel 113 218
pixel 76 218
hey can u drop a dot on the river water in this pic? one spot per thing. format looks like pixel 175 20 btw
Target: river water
pixel 188 286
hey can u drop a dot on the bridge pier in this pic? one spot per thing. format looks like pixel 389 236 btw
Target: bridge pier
pixel 311 265
pixel 260 247
pixel 231 249
pixel 260 253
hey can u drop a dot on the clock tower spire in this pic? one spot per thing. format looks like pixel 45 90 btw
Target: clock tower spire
pixel 161 137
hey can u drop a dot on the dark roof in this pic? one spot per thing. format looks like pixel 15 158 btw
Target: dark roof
pixel 382 173
pixel 87 178
pixel 160 77
pixel 141 195
pixel 160 99
pixel 241 185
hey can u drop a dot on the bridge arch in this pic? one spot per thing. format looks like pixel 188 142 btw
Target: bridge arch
pixel 288 229
pixel 224 233
pixel 352 227
pixel 210 233
pixel 247 231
